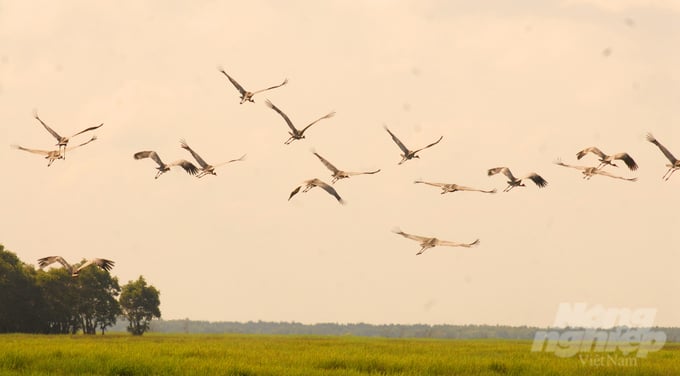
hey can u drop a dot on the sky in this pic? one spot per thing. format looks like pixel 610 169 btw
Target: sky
pixel 517 84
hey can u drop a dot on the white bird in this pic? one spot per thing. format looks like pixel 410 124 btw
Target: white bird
pixel 515 182
pixel 75 271
pixel 339 174
pixel 63 141
pixel 446 188
pixel 426 243
pixel 675 163
pixel 588 172
pixel 309 184
pixel 247 96
pixel 608 159
pixel 52 155
pixel 162 167
pixel 408 154
pixel 207 169
pixel 296 134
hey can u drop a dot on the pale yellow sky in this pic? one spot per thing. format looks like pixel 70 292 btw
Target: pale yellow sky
pixel 507 84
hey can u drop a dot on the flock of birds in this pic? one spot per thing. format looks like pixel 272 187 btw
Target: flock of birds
pixel 295 133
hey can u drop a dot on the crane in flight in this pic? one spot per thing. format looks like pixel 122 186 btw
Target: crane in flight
pixel 675 163
pixel 162 168
pixel 340 174
pixel 588 172
pixel 407 153
pixel 207 169
pixel 296 134
pixel 247 96
pixel 427 242
pixel 517 182
pixel 75 270
pixel 609 159
pixel 62 141
pixel 309 184
pixel 449 187
pixel 53 155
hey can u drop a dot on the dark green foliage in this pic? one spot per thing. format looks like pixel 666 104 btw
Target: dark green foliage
pixel 140 303
pixel 37 301
pixel 20 298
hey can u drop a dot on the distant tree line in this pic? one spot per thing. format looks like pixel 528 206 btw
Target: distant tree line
pixel 54 302
pixel 363 329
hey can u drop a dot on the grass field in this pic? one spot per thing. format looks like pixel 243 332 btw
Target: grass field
pixel 163 354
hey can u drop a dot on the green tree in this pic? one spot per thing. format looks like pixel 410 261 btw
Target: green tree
pixel 20 299
pixel 60 301
pixel 97 305
pixel 140 303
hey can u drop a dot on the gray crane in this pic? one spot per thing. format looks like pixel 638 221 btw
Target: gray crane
pixel 62 141
pixel 162 168
pixel 427 242
pixel 340 174
pixel 247 96
pixel 517 182
pixel 311 183
pixel 296 134
pixel 206 169
pixel 675 163
pixel 407 153
pixel 75 271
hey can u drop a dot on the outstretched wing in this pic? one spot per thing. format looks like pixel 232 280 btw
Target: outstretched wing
pixel 329 189
pixel 46 261
pixel 328 115
pixel 284 116
pixel 94 138
pixel 605 173
pixel 351 173
pixel 34 151
pixel 233 82
pixel 560 163
pixel 464 188
pixel 54 134
pixel 665 151
pixel 272 87
pixel 294 192
pixel 397 141
pixel 591 149
pixel 196 156
pixel 102 263
pixel 430 145
pixel 504 170
pixel 537 179
pixel 627 159
pixel 149 154
pixel 328 165
pixel 457 244
pixel 88 129
pixel 186 165
pixel 412 237
pixel 440 185
pixel 241 158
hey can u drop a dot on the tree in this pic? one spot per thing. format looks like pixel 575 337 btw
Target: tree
pixel 97 304
pixel 140 304
pixel 69 304
pixel 20 299
pixel 60 299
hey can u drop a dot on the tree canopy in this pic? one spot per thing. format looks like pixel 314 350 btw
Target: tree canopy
pixel 140 303
pixel 52 301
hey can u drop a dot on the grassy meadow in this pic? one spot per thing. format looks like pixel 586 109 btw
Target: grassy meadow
pixel 170 354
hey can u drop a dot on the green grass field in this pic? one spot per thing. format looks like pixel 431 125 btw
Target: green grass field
pixel 163 354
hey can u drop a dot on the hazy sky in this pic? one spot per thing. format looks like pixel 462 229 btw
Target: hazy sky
pixel 514 84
